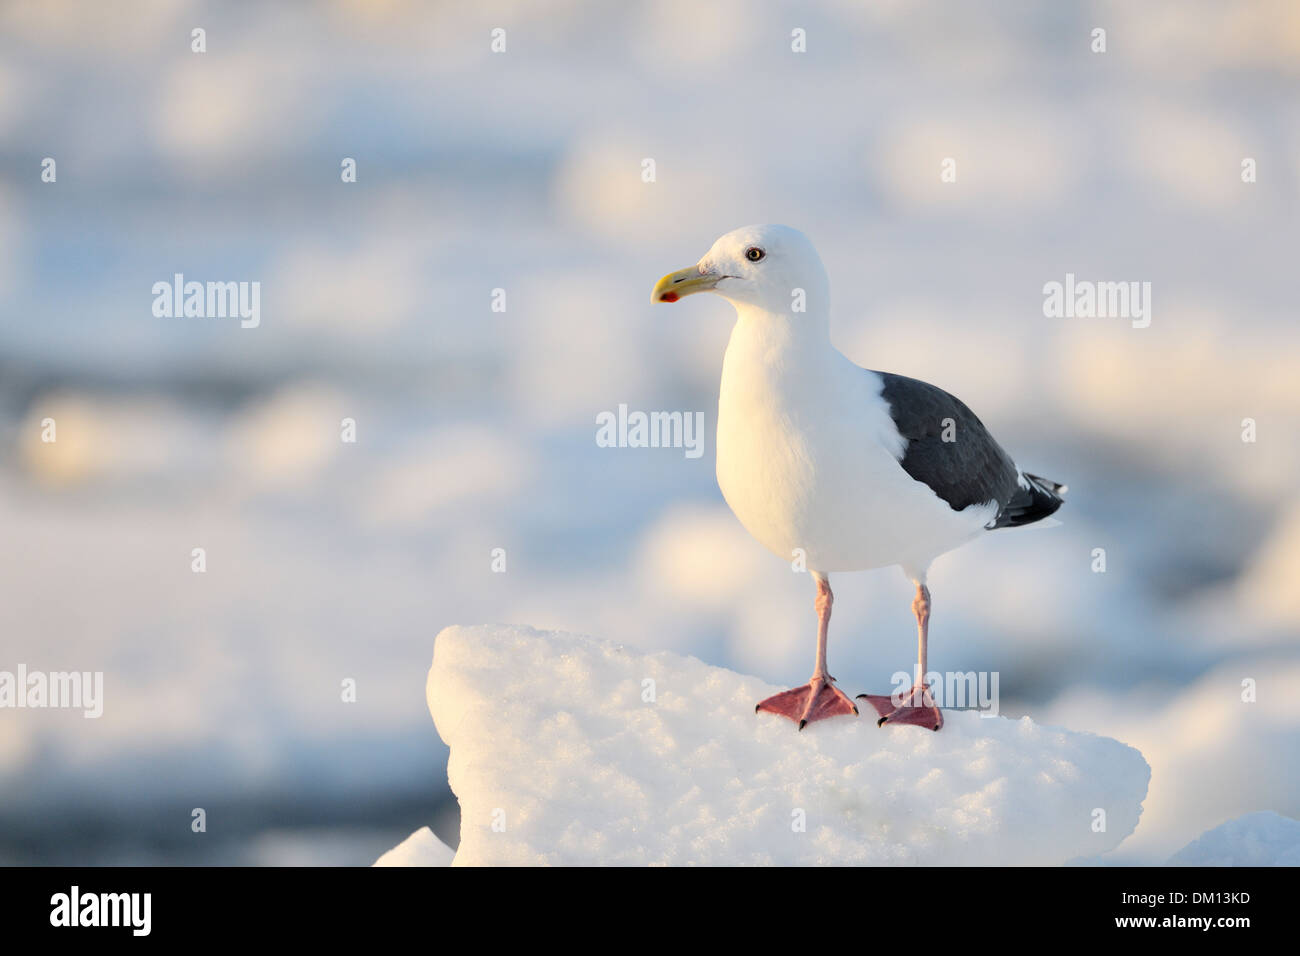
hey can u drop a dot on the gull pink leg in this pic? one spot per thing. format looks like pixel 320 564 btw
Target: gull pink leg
pixel 916 707
pixel 818 699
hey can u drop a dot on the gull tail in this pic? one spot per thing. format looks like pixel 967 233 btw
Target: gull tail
pixel 1035 500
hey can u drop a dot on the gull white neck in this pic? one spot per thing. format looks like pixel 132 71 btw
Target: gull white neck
pixel 782 330
pixel 776 362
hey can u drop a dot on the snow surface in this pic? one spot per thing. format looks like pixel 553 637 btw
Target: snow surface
pixel 1257 839
pixel 421 848
pixel 571 750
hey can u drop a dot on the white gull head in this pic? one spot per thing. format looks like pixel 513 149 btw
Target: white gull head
pixel 771 268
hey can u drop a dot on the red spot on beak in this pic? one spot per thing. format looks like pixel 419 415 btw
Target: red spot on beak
pixel 668 297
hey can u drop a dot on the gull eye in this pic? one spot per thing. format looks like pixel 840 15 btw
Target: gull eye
pixel 754 254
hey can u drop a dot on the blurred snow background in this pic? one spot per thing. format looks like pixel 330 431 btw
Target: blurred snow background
pixel 522 171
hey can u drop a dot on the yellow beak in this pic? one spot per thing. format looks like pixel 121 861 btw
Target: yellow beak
pixel 684 282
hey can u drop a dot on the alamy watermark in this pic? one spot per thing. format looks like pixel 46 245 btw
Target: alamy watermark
pixel 208 300
pixel 65 690
pixel 75 908
pixel 953 690
pixel 1084 299
pixel 634 429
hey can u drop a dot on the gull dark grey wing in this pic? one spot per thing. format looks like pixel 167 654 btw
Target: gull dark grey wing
pixel 968 469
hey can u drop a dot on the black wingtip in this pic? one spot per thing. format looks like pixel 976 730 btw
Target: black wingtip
pixel 1055 487
pixel 1029 504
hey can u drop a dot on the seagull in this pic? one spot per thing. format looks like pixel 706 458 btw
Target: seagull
pixel 846 468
